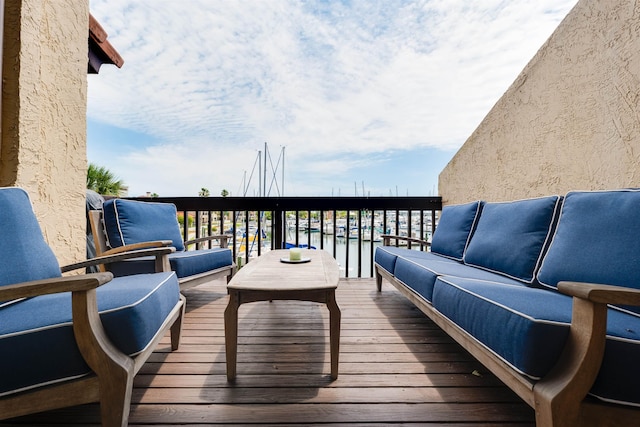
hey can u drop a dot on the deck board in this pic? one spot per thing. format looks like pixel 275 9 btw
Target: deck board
pixel 396 367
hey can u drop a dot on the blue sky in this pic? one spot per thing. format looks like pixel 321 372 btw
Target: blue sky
pixel 377 94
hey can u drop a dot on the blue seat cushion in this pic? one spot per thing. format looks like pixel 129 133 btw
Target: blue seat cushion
pixel 596 241
pixel 129 221
pixel 510 237
pixel 37 344
pixel 419 272
pixel 185 263
pixel 528 328
pixel 454 229
pixel 619 374
pixel 24 253
pixel 385 256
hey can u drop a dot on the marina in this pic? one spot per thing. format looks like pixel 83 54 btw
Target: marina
pixel 351 241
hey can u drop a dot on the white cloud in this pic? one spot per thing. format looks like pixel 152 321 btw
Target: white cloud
pixel 325 79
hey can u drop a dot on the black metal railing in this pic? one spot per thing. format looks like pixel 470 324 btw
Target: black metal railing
pixel 347 227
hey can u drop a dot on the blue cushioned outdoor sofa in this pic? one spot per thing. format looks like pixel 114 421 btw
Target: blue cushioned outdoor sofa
pixel 545 292
pixel 70 340
pixel 125 225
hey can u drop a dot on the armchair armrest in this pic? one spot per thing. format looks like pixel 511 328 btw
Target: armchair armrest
pixel 34 288
pixel 136 246
pixel 602 294
pixel 224 239
pixel 159 253
pixel 387 238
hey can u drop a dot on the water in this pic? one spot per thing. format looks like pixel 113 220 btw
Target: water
pixel 340 252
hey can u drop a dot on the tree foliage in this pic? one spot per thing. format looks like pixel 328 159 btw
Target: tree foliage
pixel 103 181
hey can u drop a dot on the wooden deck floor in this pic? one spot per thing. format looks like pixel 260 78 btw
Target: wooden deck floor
pixel 396 368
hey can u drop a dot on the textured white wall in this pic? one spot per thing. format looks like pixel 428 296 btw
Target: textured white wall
pixel 571 120
pixel 44 115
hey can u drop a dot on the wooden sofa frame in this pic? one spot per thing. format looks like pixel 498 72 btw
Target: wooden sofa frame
pixel 560 398
pixel 112 382
pixel 99 238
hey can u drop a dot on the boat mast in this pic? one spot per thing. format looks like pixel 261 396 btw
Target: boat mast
pixel 264 191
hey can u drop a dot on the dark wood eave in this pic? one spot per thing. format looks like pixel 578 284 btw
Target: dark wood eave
pixel 100 50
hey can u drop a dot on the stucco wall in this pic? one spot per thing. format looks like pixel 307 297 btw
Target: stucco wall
pixel 43 147
pixel 571 120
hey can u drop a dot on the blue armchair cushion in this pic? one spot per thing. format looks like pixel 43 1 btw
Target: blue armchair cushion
pixel 454 229
pixel 185 264
pixel 40 349
pixel 528 328
pixel 510 237
pixel 128 221
pixel 24 253
pixel 597 240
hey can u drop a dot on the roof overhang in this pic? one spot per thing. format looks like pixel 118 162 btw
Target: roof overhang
pixel 100 50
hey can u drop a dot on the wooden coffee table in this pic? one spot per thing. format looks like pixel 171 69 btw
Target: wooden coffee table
pixel 266 278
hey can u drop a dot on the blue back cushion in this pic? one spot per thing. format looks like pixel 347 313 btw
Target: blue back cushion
pixel 454 228
pixel 128 221
pixel 24 253
pixel 597 240
pixel 510 237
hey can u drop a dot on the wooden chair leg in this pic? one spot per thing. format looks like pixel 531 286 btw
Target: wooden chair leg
pixel 176 328
pixel 115 399
pixel 115 370
pixel 233 271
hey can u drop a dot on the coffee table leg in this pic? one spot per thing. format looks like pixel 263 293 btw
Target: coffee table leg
pixel 334 331
pixel 231 334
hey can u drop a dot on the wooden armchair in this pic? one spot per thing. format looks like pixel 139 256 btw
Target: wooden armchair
pixel 71 340
pixel 125 225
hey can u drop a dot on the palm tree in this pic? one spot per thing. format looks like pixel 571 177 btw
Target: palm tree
pixel 103 181
pixel 204 192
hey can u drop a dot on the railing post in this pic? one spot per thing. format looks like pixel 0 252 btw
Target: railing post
pixel 278 231
pixel 347 234
pixel 196 215
pixel 360 240
pixel 433 222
